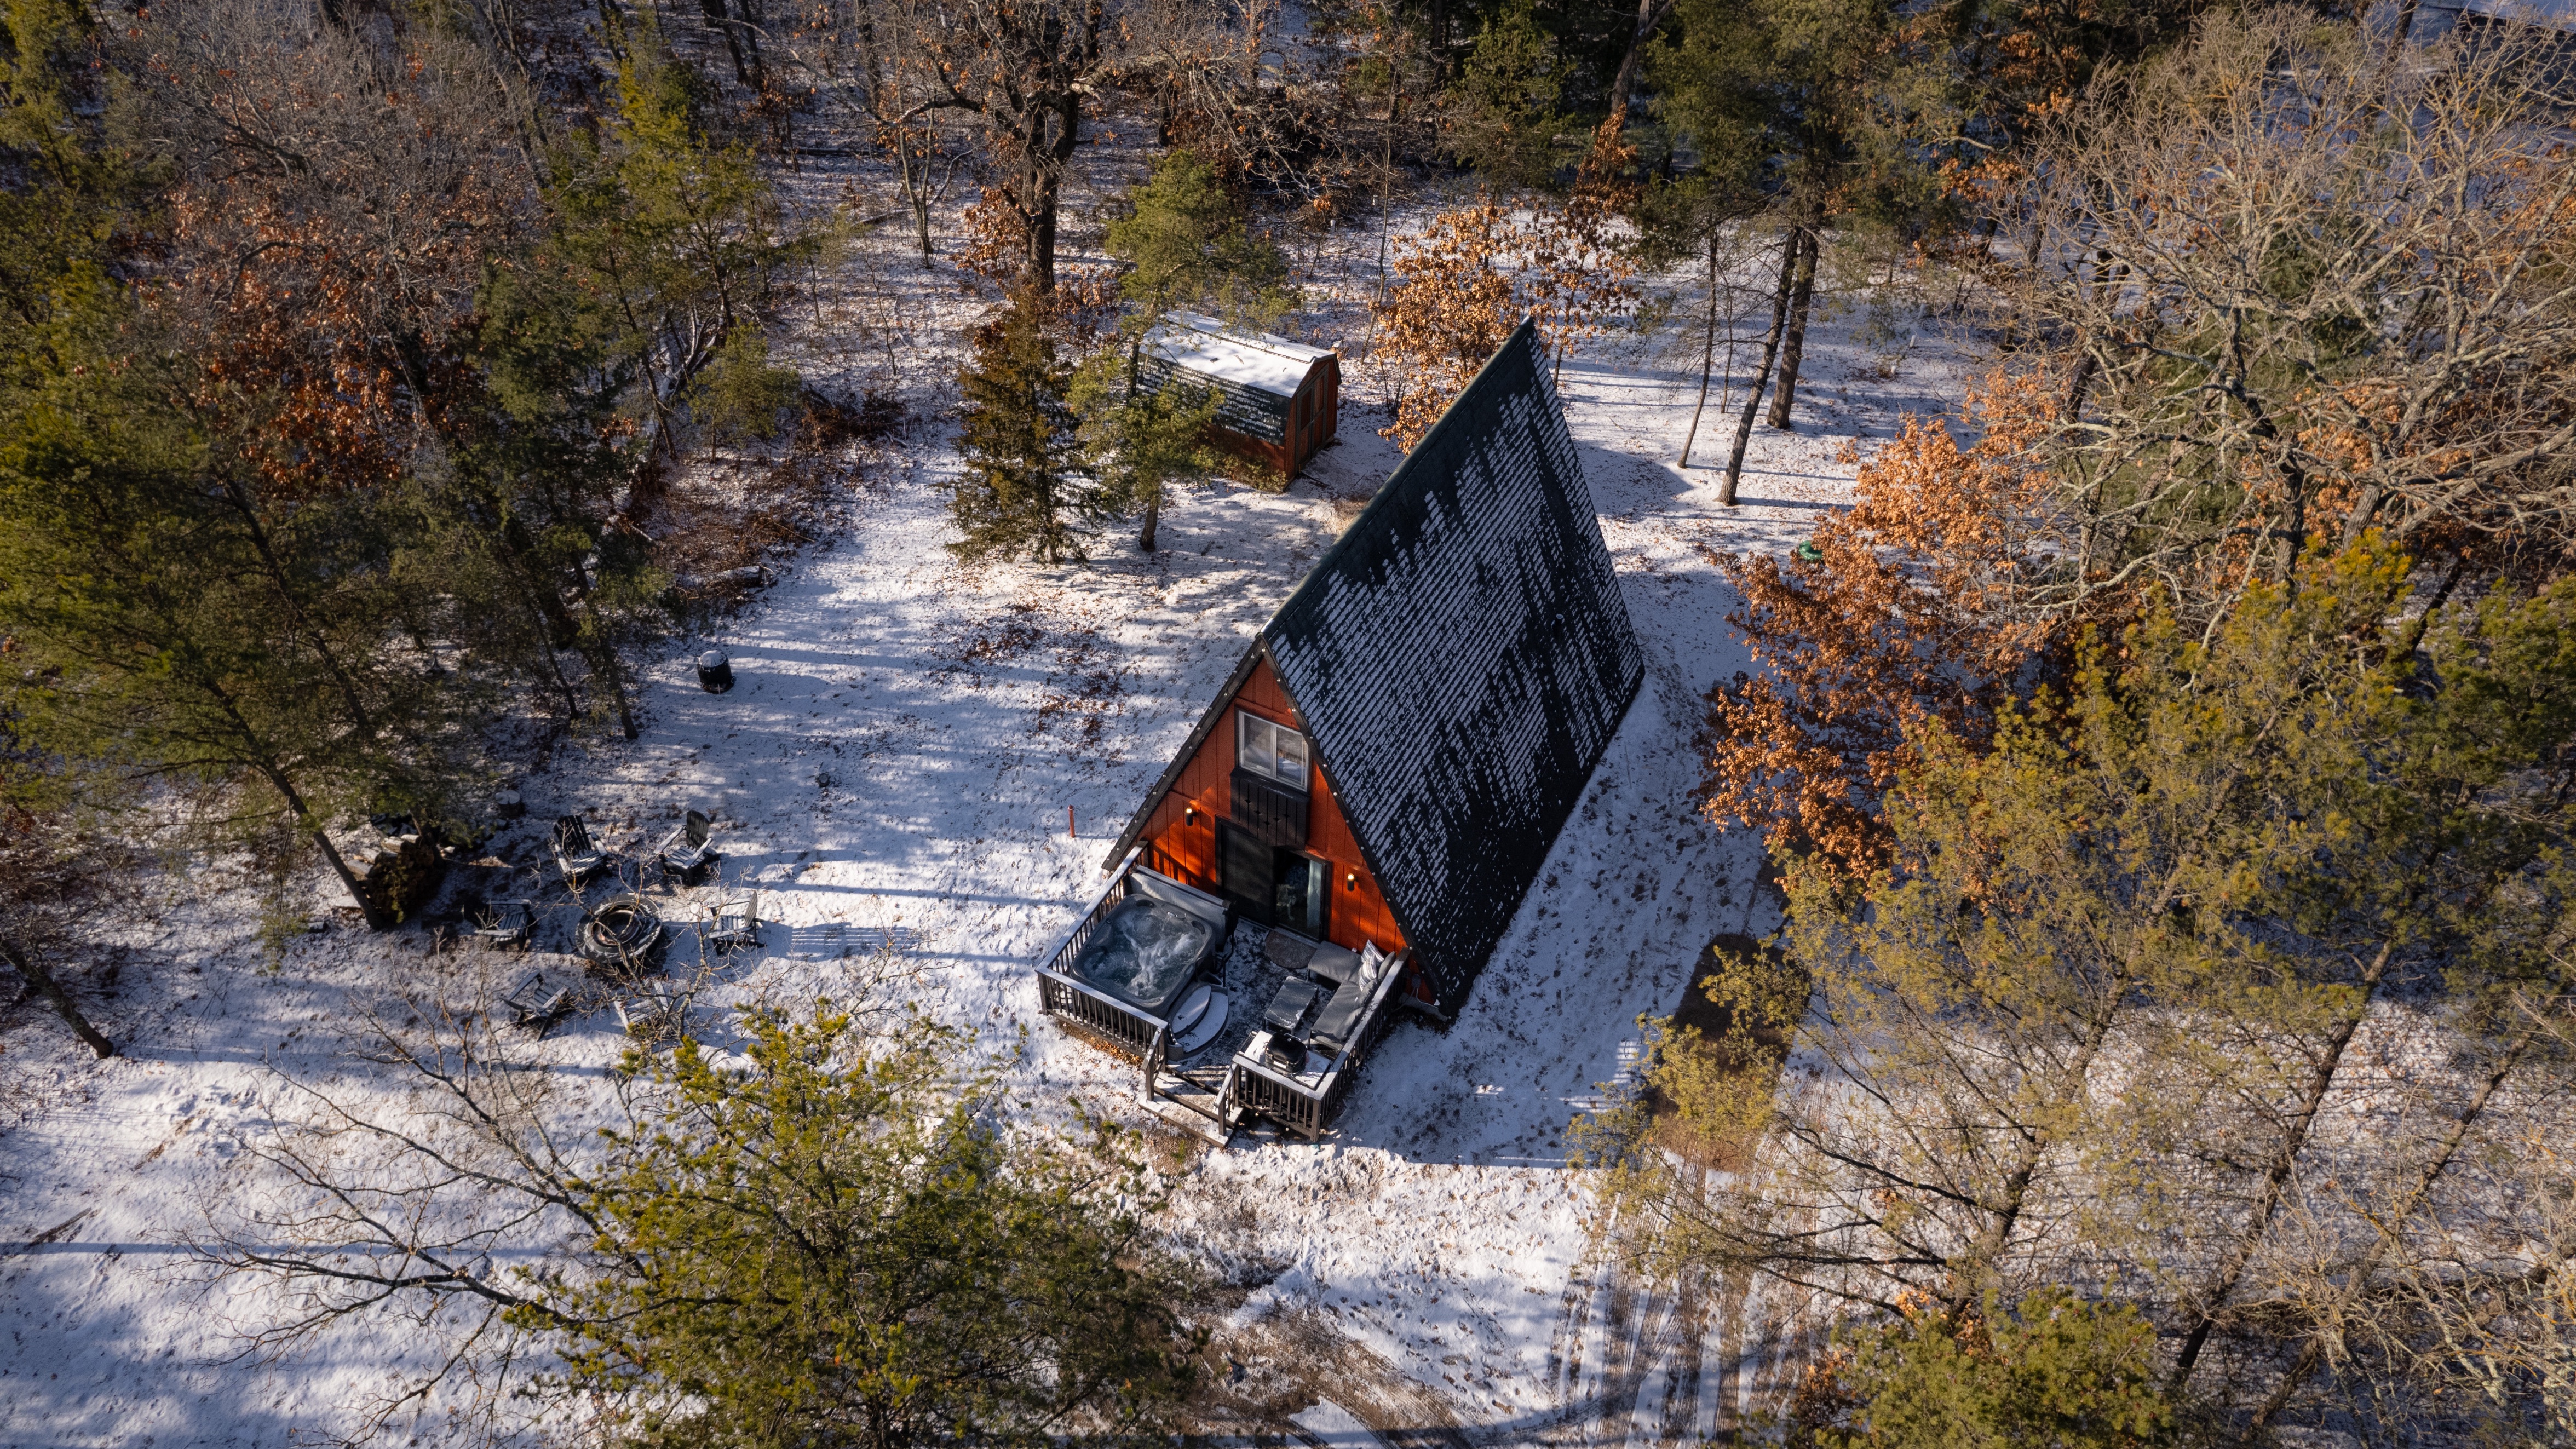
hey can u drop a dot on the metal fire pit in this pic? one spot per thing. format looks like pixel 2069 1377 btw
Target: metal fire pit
pixel 625 933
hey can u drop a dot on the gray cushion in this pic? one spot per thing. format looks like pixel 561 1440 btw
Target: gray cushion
pixel 1335 964
pixel 1341 1016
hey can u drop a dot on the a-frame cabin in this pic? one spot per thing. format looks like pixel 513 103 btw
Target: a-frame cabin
pixel 1378 783
pixel 1394 755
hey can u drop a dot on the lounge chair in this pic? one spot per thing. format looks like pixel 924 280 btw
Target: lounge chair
pixel 653 1011
pixel 575 856
pixel 736 925
pixel 686 850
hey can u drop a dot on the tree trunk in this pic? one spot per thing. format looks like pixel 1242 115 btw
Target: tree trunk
pixel 603 661
pixel 722 24
pixel 1793 343
pixel 295 616
pixel 1789 249
pixel 2075 390
pixel 917 190
pixel 1043 183
pixel 1707 354
pixel 2357 1282
pixel 376 919
pixel 1650 13
pixel 58 999
pixel 2276 1180
pixel 1153 495
pixel 612 28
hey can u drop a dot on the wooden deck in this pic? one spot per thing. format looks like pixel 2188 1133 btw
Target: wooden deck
pixel 1227 1095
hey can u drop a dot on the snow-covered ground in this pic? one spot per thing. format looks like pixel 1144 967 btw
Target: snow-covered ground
pixel 901 752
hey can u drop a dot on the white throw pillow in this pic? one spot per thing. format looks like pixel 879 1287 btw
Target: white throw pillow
pixel 1372 961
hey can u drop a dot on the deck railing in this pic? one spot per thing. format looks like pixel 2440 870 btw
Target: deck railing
pixel 1124 1028
pixel 1250 1088
pixel 1255 1088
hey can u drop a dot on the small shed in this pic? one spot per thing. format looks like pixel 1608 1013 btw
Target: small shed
pixel 1277 400
pixel 1391 760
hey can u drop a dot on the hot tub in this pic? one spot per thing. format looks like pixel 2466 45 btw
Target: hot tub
pixel 1147 953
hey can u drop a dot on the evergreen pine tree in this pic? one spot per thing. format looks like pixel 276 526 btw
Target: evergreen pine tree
pixel 1024 487
pixel 2055 1372
pixel 1185 245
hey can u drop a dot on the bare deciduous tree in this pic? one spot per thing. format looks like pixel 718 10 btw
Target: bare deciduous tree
pixel 1027 72
pixel 2307 289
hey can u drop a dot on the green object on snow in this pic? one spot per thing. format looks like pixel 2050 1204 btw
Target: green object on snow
pixel 1808 553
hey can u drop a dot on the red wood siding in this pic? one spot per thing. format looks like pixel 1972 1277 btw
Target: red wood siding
pixel 1324 383
pixel 1186 849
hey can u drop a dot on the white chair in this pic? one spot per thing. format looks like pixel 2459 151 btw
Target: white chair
pixel 736 925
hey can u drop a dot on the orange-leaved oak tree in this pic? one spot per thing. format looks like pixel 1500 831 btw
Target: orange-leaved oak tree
pixel 1466 280
pixel 1912 604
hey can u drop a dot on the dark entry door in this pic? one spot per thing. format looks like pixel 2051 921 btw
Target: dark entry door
pixel 1273 886
pixel 1301 895
pixel 1250 878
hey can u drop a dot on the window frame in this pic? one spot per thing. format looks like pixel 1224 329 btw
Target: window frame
pixel 1267 768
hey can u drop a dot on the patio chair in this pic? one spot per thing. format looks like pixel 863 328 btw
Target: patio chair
pixel 537 1002
pixel 737 924
pixel 575 856
pixel 686 850
pixel 653 1011
pixel 506 923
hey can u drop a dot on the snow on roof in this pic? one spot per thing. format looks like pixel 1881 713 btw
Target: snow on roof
pixel 1461 659
pixel 1202 344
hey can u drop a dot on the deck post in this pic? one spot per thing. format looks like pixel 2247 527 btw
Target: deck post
pixel 1153 1065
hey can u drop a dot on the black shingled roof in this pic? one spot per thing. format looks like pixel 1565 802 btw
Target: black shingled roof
pixel 1461 658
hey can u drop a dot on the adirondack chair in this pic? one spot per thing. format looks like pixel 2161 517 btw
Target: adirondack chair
pixel 654 1011
pixel 578 859
pixel 506 923
pixel 538 1002
pixel 736 925
pixel 687 850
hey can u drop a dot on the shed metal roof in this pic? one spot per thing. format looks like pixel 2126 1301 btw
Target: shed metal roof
pixel 1257 360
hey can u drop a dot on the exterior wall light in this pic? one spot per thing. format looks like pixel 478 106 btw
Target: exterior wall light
pixel 1351 881
pixel 1189 815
